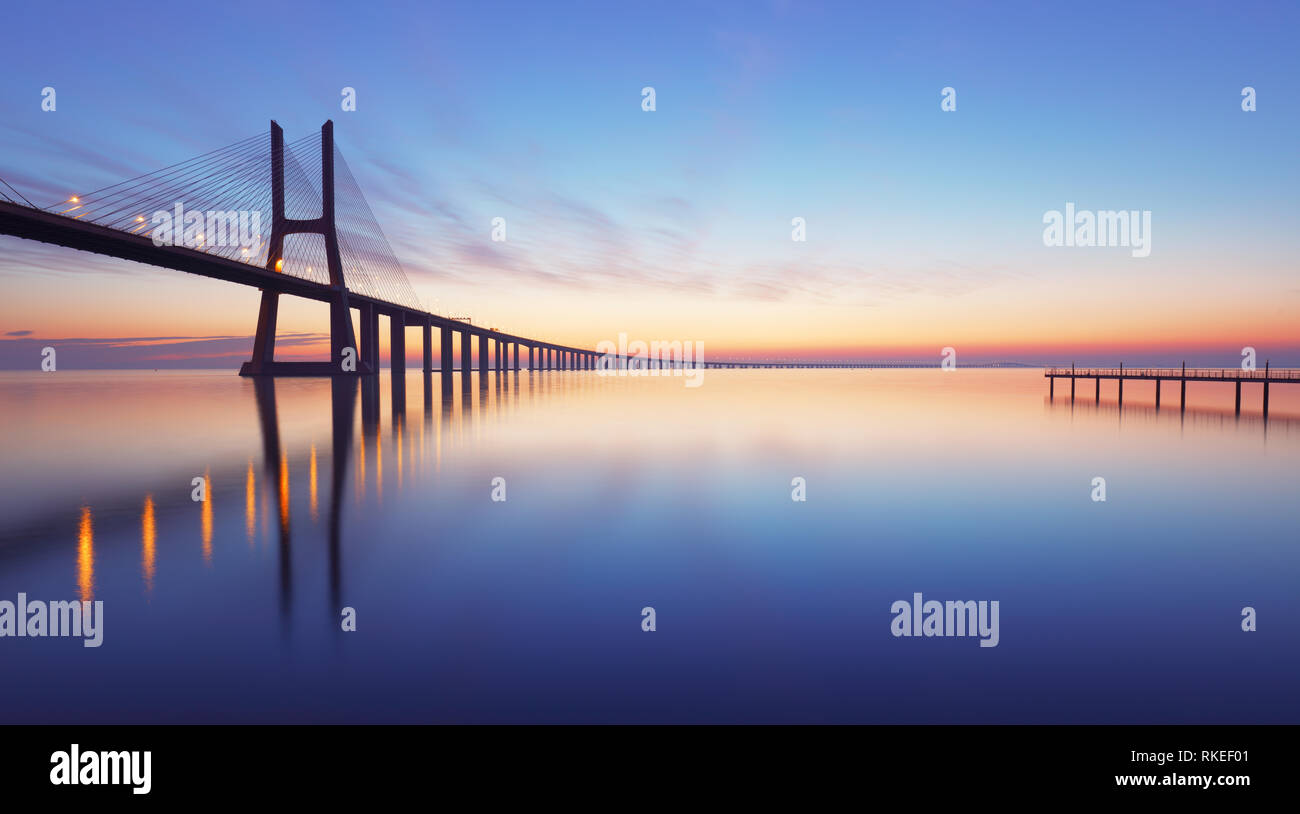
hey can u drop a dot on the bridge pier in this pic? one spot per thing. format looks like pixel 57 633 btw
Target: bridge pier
pixel 1157 392
pixel 368 353
pixel 466 360
pixel 445 362
pixel 264 342
pixel 1238 396
pixel 483 358
pixel 397 344
pixel 1096 397
pixel 515 350
pixel 427 335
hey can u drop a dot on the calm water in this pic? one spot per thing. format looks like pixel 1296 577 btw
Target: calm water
pixel 626 493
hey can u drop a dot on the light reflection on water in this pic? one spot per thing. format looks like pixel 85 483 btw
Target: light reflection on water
pixel 627 492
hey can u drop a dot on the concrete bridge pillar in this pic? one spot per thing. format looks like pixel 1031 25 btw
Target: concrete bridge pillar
pixel 427 331
pixel 368 353
pixel 397 344
pixel 466 359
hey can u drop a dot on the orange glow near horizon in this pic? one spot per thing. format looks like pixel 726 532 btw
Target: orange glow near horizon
pixel 1062 314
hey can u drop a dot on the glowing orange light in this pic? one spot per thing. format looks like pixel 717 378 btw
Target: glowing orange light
pixel 86 556
pixel 74 199
pixel 279 264
pixel 149 537
pixel 139 219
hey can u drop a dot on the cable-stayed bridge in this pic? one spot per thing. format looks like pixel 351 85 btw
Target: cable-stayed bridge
pixel 321 241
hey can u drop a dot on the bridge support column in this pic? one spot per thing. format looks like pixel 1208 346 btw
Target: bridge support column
pixel 1157 392
pixel 264 342
pixel 368 353
pixel 1238 396
pixel 1121 391
pixel 1096 398
pixel 1266 398
pixel 515 346
pixel 397 344
pixel 466 359
pixel 428 346
pixel 483 358
pixel 445 359
pixel 531 364
pixel 1071 387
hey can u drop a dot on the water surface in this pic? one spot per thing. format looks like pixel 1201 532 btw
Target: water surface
pixel 623 493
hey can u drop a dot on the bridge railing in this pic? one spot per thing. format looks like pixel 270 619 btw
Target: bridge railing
pixel 1226 374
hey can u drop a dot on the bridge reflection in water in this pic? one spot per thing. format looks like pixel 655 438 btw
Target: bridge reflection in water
pixel 444 416
pixel 268 497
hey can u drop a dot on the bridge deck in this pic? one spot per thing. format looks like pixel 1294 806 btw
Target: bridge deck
pixel 60 230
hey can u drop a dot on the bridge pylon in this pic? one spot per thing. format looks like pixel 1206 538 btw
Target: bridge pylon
pixel 342 337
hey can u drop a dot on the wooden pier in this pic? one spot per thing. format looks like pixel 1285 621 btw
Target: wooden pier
pixel 1182 375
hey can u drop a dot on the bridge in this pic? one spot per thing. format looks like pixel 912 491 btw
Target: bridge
pixel 1182 375
pixel 346 262
pixel 324 244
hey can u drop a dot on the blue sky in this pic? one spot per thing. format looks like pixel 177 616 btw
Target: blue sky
pixel 676 223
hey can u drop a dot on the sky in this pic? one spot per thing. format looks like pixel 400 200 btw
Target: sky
pixel 924 227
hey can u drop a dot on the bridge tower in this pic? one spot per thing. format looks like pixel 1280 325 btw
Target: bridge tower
pixel 342 336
